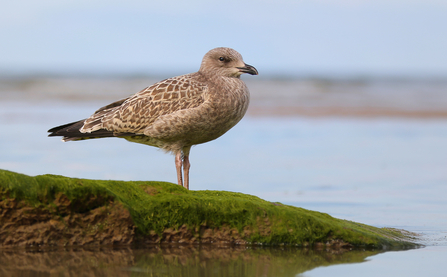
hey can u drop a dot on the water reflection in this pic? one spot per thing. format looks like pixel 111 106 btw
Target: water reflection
pixel 173 261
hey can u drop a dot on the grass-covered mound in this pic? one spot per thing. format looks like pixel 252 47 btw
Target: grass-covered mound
pixel 69 211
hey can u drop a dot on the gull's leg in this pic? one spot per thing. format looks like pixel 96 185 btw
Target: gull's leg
pixel 178 166
pixel 186 166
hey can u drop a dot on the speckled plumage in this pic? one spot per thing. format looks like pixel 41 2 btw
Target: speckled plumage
pixel 176 113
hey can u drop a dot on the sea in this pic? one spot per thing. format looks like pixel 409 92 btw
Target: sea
pixel 369 150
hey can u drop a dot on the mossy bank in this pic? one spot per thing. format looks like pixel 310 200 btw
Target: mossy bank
pixel 50 210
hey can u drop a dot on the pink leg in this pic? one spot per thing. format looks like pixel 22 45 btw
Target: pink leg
pixel 178 166
pixel 186 166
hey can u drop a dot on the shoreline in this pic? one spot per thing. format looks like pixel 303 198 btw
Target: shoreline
pixel 345 112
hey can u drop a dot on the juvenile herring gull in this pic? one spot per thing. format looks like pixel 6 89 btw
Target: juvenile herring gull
pixel 176 113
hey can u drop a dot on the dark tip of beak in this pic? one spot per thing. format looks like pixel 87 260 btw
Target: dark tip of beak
pixel 248 69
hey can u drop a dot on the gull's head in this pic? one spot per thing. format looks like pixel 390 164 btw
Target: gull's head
pixel 225 62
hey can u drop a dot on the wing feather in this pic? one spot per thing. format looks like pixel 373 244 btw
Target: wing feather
pixel 134 114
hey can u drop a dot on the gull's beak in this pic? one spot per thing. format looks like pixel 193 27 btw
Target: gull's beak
pixel 248 69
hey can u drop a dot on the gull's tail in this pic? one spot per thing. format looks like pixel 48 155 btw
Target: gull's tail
pixel 71 131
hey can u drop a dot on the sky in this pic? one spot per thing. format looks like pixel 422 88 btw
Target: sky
pixel 282 37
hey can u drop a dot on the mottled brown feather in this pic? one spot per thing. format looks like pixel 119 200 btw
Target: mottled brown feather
pixel 147 105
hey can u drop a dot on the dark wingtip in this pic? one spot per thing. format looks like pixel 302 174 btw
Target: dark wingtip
pixel 71 132
pixel 66 129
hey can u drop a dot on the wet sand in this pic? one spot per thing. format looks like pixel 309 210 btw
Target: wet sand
pixel 357 112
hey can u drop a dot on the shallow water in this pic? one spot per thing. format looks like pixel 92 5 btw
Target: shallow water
pixel 175 260
pixel 221 261
pixel 381 171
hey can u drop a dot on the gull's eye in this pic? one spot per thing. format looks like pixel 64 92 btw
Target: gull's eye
pixel 221 59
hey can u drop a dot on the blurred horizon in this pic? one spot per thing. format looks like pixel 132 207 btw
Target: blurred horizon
pixel 154 76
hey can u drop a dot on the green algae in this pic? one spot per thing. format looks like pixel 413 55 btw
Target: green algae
pixel 157 206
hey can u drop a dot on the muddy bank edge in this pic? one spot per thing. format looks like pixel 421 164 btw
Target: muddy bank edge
pixel 54 211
